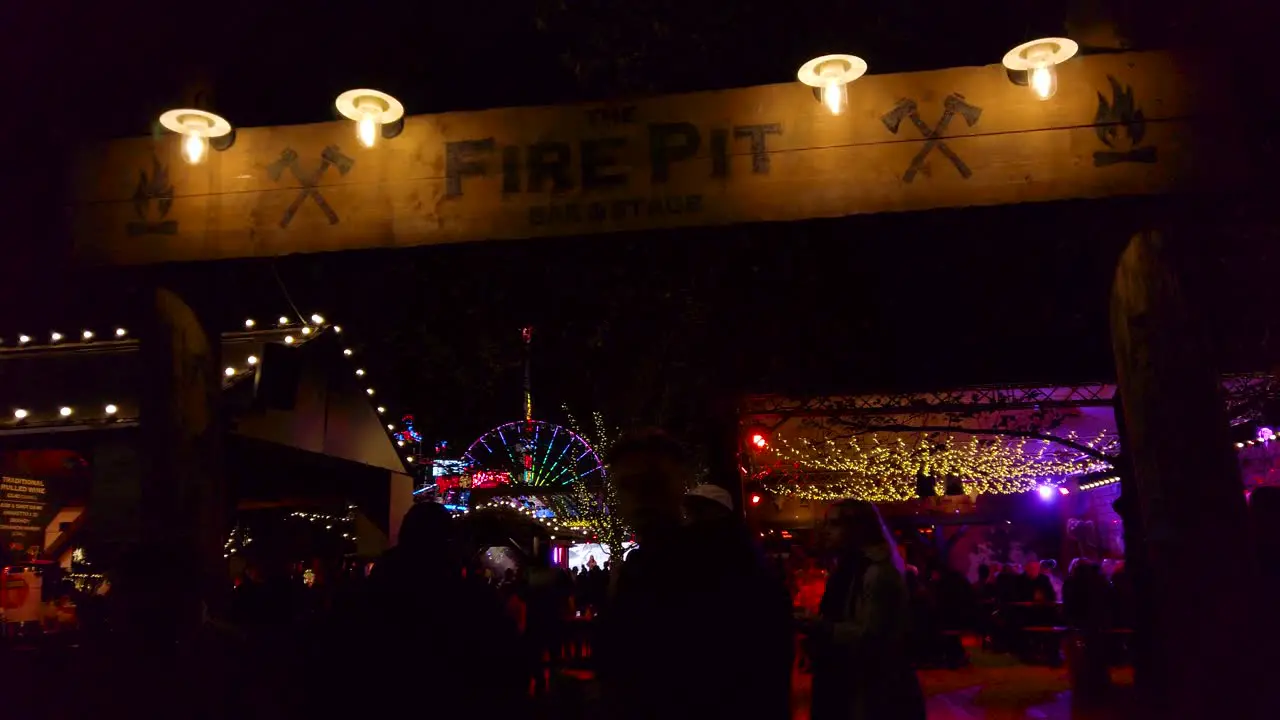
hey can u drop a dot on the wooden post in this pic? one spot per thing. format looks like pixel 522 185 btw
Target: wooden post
pixel 1136 562
pixel 1189 496
pixel 182 513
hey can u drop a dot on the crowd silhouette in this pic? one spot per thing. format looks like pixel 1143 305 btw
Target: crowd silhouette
pixel 694 623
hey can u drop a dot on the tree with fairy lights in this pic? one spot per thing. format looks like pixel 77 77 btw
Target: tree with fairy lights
pixel 596 499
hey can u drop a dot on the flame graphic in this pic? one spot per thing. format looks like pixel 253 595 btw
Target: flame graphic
pixel 1120 112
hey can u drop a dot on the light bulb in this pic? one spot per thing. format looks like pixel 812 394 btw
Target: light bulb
pixel 20 414
pixel 368 126
pixel 194 146
pixel 1044 81
pixel 835 95
pixel 111 409
pixel 252 360
pixel 65 411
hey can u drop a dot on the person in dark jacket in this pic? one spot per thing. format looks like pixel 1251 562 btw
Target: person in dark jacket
pixel 749 609
pixel 653 643
pixel 1007 584
pixel 1035 586
pixel 425 626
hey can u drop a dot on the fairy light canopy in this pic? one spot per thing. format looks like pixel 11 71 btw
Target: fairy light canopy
pixel 990 438
pixel 890 467
pixel 887 448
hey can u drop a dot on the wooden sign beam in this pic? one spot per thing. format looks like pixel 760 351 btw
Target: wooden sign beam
pixel 946 138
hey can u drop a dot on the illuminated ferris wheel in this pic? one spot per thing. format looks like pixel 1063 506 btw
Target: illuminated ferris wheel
pixel 532 453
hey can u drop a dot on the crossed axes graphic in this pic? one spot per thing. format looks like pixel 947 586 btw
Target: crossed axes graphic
pixel 289 161
pixel 953 105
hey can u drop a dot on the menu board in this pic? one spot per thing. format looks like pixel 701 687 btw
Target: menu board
pixel 22 511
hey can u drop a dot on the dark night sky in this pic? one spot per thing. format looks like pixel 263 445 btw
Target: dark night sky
pixel 638 325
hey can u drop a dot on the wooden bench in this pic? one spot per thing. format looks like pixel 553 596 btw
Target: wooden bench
pixel 1044 643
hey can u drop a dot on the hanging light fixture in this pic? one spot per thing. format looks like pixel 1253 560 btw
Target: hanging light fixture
pixel 374 112
pixel 200 130
pixel 1034 64
pixel 829 76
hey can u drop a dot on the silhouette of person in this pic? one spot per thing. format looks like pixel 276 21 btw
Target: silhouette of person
pixel 425 624
pixel 674 635
pixel 648 655
pixel 746 610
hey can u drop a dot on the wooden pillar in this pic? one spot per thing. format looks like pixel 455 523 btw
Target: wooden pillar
pixel 182 510
pixel 1136 562
pixel 1188 493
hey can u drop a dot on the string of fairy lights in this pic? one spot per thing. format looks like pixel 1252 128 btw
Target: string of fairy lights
pixel 237 541
pixel 550 523
pixel 1100 482
pixel 307 332
pixel 296 332
pixel 888 469
pixel 240 537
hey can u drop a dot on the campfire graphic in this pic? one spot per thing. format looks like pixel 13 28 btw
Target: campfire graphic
pixel 1118 118
pixel 158 189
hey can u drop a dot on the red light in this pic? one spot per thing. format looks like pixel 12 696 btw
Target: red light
pixel 755 498
pixel 759 441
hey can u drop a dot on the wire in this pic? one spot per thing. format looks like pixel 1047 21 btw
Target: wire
pixel 287 297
